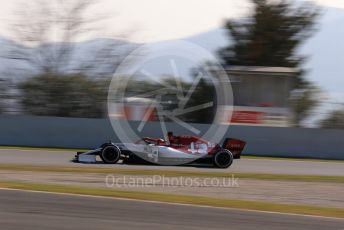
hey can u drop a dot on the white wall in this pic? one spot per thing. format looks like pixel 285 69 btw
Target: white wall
pixel 90 133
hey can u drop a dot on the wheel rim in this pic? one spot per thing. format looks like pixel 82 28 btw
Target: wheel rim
pixel 110 154
pixel 223 159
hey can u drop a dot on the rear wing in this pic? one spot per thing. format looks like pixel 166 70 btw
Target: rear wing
pixel 235 146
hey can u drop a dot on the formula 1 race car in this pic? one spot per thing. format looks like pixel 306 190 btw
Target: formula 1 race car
pixel 175 150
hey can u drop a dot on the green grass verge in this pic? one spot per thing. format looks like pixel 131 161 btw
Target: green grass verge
pixel 184 199
pixel 170 173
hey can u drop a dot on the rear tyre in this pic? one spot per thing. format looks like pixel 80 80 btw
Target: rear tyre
pixel 110 154
pixel 223 159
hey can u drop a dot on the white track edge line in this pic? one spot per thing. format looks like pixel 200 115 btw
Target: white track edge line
pixel 172 203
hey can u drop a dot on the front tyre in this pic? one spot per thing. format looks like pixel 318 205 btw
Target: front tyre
pixel 110 154
pixel 223 159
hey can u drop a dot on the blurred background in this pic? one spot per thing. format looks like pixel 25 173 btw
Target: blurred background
pixel 283 58
pixel 71 69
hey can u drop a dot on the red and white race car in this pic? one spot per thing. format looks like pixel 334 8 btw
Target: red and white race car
pixel 175 150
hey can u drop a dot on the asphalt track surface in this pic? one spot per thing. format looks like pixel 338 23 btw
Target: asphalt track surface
pixel 61 158
pixel 34 210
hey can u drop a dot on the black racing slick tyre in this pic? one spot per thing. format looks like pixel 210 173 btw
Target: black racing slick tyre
pixel 223 159
pixel 110 154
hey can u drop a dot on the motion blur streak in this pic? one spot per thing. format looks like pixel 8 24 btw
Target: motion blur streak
pixel 27 210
